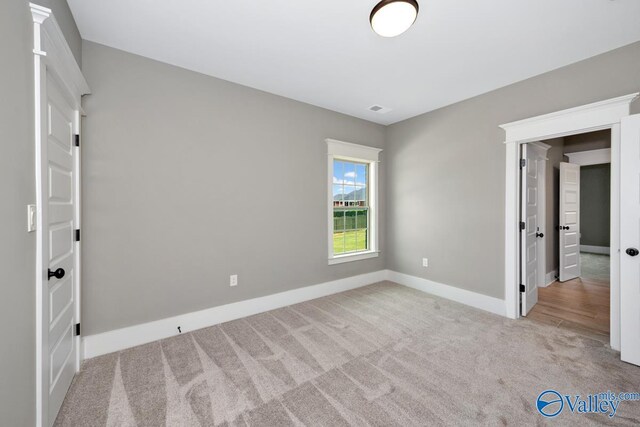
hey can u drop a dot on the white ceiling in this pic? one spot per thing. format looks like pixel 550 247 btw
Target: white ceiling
pixel 323 52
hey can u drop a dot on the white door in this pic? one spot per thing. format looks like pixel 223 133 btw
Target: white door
pixel 630 240
pixel 531 235
pixel 59 357
pixel 569 221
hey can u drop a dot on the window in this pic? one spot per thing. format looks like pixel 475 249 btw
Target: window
pixel 350 207
pixel 353 219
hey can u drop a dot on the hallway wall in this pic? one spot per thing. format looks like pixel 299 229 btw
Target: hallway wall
pixel 595 205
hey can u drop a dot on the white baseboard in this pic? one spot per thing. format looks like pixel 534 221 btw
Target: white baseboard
pixel 473 299
pixel 549 278
pixel 595 249
pixel 119 339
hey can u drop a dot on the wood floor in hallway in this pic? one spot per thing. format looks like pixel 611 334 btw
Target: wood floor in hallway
pixel 581 304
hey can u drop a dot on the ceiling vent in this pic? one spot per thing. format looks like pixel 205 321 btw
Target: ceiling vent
pixel 379 109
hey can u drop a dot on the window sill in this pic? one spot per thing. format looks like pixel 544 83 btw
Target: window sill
pixel 339 259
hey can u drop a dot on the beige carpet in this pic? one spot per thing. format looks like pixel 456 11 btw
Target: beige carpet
pixel 380 355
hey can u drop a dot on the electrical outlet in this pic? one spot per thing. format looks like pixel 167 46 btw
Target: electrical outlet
pixel 425 262
pixel 233 280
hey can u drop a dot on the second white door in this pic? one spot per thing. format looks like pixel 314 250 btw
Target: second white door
pixel 569 223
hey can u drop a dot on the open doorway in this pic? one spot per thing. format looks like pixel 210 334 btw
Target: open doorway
pixel 610 114
pixel 574 287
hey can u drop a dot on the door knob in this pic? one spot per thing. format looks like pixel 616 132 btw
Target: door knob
pixel 58 274
pixel 539 234
pixel 632 252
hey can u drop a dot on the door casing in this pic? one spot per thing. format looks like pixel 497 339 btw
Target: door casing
pixel 600 115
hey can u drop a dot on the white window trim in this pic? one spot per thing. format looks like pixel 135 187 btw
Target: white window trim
pixel 360 153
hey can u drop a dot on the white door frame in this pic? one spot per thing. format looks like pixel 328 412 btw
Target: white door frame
pixel 596 116
pixel 53 57
pixel 591 157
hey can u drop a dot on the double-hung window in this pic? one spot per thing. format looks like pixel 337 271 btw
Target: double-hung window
pixel 352 201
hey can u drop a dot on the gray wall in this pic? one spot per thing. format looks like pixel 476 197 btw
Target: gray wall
pixel 17 248
pixel 188 179
pixel 446 173
pixel 595 203
pixel 597 140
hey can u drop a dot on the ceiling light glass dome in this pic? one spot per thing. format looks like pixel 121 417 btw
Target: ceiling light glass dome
pixel 391 18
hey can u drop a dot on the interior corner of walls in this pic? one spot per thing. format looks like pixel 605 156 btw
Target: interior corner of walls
pixel 453 293
pixel 131 336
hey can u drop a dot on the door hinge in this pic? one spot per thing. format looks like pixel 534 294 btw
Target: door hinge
pixel 523 163
pixel 522 225
pixel 77 140
pixel 77 331
pixel 77 235
pixel 522 288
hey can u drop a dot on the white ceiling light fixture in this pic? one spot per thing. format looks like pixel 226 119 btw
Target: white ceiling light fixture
pixel 427 52
pixel 391 18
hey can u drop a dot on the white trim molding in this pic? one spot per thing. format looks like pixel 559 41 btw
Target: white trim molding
pixel 542 145
pixel 463 296
pixel 585 118
pixel 353 151
pixel 55 53
pixel 341 259
pixel 120 339
pixel 591 157
pixel 363 154
pixel 605 114
pixel 604 250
